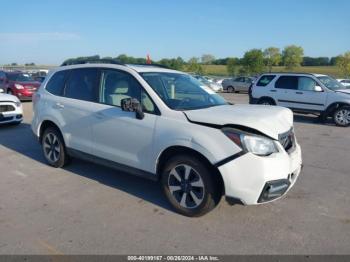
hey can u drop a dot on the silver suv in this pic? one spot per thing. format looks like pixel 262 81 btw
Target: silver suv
pixel 304 93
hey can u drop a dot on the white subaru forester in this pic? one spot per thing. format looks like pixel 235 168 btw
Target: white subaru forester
pixel 164 125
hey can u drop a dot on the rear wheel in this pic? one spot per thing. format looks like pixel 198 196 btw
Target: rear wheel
pixel 341 116
pixel 266 101
pixel 53 148
pixel 230 89
pixel 189 186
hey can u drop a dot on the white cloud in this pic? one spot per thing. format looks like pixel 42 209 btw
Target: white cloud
pixel 38 37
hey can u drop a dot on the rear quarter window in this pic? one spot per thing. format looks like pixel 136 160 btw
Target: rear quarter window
pixel 56 83
pixel 82 84
pixel 265 80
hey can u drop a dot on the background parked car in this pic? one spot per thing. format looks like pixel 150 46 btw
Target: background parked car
pixel 212 85
pixel 304 93
pixel 239 84
pixel 18 84
pixel 345 82
pixel 11 111
pixel 219 80
pixel 39 78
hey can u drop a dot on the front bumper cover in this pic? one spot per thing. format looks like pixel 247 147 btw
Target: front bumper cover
pixel 252 180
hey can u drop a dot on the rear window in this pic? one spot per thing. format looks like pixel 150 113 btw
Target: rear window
pixel 56 83
pixel 265 80
pixel 287 82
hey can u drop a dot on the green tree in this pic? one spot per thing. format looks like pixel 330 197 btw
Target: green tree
pixel 174 63
pixel 232 66
pixel 194 66
pixel 207 59
pixel 253 61
pixel 343 62
pixel 272 57
pixel 333 60
pixel 292 56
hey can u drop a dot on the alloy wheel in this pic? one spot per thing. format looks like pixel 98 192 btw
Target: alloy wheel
pixel 51 146
pixel 342 117
pixel 186 186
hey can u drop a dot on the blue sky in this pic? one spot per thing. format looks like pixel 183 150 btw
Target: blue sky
pixel 48 32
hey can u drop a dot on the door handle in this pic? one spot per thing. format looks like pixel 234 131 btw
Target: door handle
pixel 58 106
pixel 273 90
pixel 299 93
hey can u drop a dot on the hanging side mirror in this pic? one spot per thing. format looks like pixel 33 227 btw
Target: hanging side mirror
pixel 318 89
pixel 132 105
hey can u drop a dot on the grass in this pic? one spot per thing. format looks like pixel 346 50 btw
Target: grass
pixel 220 70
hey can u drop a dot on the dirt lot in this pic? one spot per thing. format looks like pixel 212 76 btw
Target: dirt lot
pixel 89 209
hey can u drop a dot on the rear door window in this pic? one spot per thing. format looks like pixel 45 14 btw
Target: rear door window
pixel 265 80
pixel 56 83
pixel 287 82
pixel 82 84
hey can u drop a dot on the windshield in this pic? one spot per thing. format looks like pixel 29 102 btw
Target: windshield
pixel 182 92
pixel 20 77
pixel 331 83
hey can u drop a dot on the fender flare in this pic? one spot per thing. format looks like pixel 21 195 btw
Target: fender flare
pixel 332 107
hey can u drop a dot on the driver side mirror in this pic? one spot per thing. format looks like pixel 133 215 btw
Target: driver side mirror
pixel 132 105
pixel 318 89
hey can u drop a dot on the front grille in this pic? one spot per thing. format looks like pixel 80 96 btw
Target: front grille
pixel 7 108
pixel 287 140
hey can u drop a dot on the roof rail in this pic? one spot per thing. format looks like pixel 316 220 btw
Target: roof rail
pixel 154 65
pixel 304 73
pixel 92 61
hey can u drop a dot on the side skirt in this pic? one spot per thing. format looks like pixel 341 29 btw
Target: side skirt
pixel 111 164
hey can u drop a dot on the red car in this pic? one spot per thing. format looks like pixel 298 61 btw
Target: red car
pixel 18 84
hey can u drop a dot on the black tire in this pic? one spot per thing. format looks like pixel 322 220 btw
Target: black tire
pixel 230 89
pixel 53 138
pixel 208 195
pixel 341 116
pixel 266 101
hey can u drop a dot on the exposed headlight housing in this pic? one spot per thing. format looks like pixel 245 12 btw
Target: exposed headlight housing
pixel 258 145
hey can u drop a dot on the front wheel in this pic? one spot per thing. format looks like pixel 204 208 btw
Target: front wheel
pixel 53 148
pixel 341 116
pixel 266 101
pixel 189 187
pixel 230 89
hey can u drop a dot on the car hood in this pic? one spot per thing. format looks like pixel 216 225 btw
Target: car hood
pixel 270 120
pixel 345 91
pixel 6 98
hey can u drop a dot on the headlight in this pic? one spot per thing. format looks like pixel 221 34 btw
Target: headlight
pixel 18 86
pixel 18 104
pixel 258 145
